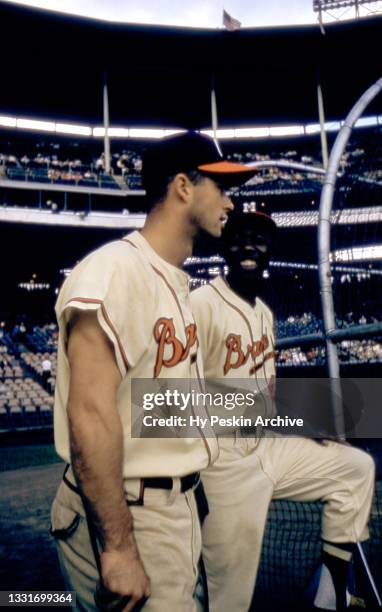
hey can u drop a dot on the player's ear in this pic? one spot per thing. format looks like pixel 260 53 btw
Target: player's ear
pixel 182 186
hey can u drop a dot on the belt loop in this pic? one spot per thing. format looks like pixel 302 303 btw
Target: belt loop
pixel 141 497
pixel 66 480
pixel 176 489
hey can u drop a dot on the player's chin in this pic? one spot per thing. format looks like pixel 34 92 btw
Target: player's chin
pixel 216 230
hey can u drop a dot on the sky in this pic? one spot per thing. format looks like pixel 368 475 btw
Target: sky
pixel 194 13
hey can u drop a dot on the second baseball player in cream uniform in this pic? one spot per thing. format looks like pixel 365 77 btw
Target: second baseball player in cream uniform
pixel 235 331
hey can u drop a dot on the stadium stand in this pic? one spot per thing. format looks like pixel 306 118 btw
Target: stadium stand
pixel 59 162
pixel 24 402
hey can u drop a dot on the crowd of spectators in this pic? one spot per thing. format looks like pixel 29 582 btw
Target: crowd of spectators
pixel 86 166
pixel 350 352
pixel 352 318
pixel 43 338
pixel 124 172
pixel 309 323
pixel 355 351
pixel 297 325
pixel 127 166
pixel 296 356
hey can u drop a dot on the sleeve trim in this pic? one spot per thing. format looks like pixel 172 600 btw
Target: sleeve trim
pixel 107 321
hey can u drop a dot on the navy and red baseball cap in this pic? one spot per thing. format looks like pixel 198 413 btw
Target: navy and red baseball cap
pixel 187 152
pixel 257 221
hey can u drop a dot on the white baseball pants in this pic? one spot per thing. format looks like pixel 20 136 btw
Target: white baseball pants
pixel 248 474
pixel 168 536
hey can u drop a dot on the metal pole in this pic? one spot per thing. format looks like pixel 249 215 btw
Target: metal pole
pixel 325 277
pixel 214 118
pixel 369 575
pixel 321 114
pixel 106 139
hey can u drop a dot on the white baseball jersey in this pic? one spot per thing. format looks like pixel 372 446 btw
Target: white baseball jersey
pixel 236 341
pixel 142 304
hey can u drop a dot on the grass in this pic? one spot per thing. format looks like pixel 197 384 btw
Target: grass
pixel 17 457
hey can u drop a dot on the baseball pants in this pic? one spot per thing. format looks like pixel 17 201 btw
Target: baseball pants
pixel 168 536
pixel 248 474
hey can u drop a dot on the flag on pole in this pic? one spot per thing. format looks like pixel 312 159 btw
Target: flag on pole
pixel 230 23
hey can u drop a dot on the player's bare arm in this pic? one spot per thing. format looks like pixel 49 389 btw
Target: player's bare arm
pixel 97 451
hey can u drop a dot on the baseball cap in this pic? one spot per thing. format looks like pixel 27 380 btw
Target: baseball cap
pixel 257 220
pixel 191 151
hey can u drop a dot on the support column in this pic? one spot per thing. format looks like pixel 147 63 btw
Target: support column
pixel 324 228
pixel 321 115
pixel 106 124
pixel 214 117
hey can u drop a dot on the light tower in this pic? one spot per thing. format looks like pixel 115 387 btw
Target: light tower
pixel 339 9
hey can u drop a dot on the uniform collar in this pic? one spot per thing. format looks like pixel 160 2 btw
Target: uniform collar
pixel 223 287
pixel 174 275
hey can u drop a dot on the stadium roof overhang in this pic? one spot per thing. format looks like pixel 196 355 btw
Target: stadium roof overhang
pixel 53 66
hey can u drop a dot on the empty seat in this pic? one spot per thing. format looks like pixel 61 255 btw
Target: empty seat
pixel 29 409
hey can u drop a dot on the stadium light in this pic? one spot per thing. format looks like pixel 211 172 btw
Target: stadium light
pixel 119 132
pixel 327 5
pixel 98 132
pixel 146 133
pixel 112 132
pixel 221 134
pixel 312 128
pixel 75 129
pixel 8 121
pixel 333 126
pixel 293 130
pixel 173 132
pixel 32 124
pixel 258 132
pixel 366 122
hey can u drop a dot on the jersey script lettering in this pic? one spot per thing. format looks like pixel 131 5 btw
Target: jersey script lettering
pixel 164 334
pixel 236 357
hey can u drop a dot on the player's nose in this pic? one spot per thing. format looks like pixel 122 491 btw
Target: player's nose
pixel 228 204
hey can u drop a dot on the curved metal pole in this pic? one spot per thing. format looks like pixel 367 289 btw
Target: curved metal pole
pixel 324 227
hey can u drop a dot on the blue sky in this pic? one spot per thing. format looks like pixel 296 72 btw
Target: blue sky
pixel 196 13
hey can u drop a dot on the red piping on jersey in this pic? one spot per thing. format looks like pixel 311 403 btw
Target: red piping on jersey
pixel 269 355
pixel 241 313
pixel 166 283
pixel 129 241
pixel 107 320
pixel 162 276
pixel 237 310
pixel 172 291
pixel 260 365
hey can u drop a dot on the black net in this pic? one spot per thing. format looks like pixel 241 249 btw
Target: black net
pixel 292 550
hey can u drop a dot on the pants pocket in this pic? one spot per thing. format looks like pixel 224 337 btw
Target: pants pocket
pixel 64 521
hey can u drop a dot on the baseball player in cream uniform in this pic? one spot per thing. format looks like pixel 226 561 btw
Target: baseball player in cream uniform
pixel 124 517
pixel 236 335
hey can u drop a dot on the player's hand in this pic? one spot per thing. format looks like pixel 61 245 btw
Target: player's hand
pixel 125 584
